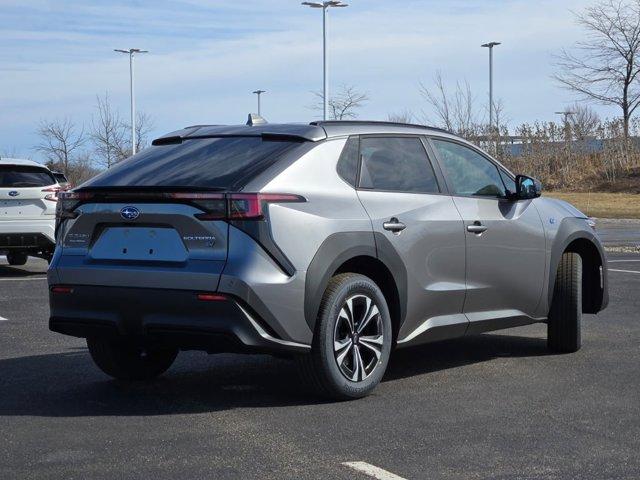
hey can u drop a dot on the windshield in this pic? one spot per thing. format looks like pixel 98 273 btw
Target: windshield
pixel 14 176
pixel 216 163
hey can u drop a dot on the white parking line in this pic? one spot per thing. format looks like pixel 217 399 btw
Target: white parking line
pixel 21 279
pixel 2 319
pixel 372 471
pixel 623 271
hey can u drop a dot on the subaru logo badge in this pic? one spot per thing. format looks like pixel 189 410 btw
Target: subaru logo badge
pixel 129 213
pixel 14 193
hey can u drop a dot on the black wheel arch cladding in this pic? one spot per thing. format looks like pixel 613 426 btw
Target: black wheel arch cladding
pixel 339 248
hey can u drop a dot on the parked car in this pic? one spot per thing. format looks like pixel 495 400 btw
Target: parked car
pixel 334 242
pixel 62 180
pixel 28 196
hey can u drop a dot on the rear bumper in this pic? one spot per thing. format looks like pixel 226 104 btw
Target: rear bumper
pixel 27 233
pixel 173 318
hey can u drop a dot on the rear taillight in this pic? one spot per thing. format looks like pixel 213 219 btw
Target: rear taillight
pixel 67 203
pixel 250 206
pixel 215 206
pixel 52 193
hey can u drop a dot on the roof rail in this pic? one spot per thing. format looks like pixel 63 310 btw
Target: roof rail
pixel 320 123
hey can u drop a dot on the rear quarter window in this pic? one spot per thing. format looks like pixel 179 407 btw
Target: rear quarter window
pixel 220 163
pixel 16 176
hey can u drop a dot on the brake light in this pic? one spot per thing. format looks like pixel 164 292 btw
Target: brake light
pixel 53 195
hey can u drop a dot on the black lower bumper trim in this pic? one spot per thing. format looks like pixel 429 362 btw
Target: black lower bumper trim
pixel 174 318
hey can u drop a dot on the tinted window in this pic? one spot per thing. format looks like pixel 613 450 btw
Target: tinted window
pixel 348 162
pixel 220 162
pixel 468 172
pixel 14 176
pixel 509 182
pixel 396 163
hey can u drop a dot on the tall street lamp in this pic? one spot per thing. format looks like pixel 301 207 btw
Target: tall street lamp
pixel 325 6
pixel 258 93
pixel 490 46
pixel 131 52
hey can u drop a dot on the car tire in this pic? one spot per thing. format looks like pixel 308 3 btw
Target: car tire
pixel 17 258
pixel 563 324
pixel 349 353
pixel 128 362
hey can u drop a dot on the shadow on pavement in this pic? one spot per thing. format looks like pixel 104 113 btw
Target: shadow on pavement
pixel 68 385
pixel 18 272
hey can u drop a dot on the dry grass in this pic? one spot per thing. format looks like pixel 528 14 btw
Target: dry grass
pixel 602 205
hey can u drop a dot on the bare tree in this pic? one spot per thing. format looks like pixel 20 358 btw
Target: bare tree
pixel 111 136
pixel 60 141
pixel 454 112
pixel 604 66
pixel 584 121
pixel 107 133
pixel 404 116
pixel 144 125
pixel 80 170
pixel 342 105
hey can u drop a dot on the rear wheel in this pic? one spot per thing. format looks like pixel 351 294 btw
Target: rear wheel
pixel 128 362
pixel 17 258
pixel 352 340
pixel 563 325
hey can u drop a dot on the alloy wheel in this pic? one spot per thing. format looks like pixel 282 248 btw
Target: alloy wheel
pixel 358 337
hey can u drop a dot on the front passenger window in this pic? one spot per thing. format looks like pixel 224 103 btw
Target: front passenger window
pixel 469 173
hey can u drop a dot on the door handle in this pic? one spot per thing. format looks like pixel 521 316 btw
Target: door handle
pixel 394 225
pixel 476 228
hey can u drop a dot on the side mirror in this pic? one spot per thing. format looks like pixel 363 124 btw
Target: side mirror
pixel 527 187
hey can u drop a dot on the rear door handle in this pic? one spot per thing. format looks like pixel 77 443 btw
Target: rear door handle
pixel 476 228
pixel 394 225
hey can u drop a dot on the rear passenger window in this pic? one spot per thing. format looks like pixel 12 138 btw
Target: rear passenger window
pixel 348 162
pixel 398 164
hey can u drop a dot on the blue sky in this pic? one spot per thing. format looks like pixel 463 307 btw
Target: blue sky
pixel 207 56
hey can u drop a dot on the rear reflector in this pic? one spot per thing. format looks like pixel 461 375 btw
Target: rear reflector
pixel 211 297
pixel 61 289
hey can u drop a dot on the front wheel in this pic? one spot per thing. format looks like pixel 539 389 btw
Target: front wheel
pixel 563 325
pixel 129 362
pixel 352 340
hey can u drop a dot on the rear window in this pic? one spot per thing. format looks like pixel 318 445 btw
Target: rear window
pixel 221 162
pixel 16 176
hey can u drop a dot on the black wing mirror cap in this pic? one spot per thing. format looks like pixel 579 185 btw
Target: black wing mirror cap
pixel 527 187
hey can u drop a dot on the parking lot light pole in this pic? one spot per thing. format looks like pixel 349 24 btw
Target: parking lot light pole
pixel 325 67
pixel 258 93
pixel 490 46
pixel 131 52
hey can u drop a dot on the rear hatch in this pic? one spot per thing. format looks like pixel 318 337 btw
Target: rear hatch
pixel 160 218
pixel 26 192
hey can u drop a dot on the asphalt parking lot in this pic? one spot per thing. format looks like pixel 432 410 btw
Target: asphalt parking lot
pixel 490 406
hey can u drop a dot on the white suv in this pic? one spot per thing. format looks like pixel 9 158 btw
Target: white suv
pixel 28 198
